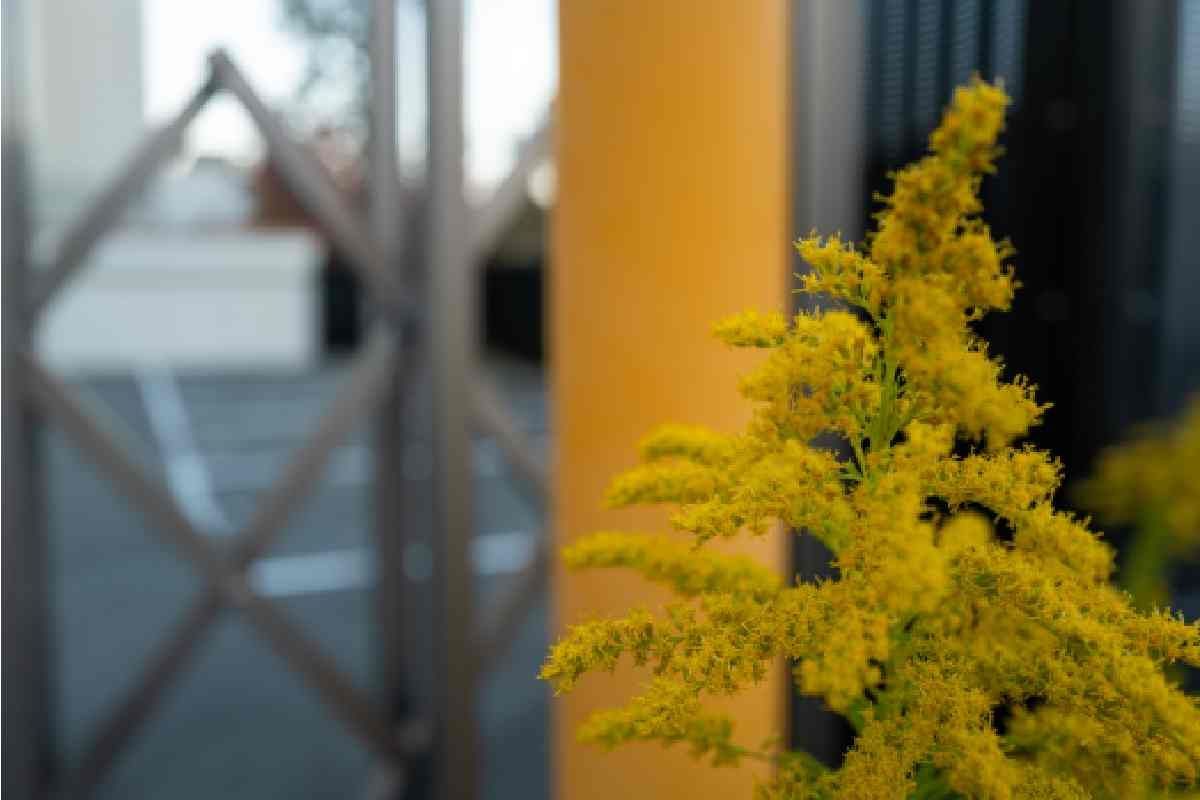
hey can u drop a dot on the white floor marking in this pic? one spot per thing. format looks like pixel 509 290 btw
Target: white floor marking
pixel 188 476
pixel 503 553
pixel 331 571
pixel 352 568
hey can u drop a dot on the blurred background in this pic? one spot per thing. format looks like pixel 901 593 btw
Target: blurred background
pixel 217 277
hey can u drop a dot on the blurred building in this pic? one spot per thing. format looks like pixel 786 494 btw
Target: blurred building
pixel 85 99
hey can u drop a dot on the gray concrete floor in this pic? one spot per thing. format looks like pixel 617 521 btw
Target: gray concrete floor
pixel 239 723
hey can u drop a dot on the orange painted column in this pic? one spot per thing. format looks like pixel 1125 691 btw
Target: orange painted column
pixel 672 212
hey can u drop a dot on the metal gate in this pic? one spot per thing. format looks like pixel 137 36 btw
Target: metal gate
pixel 375 387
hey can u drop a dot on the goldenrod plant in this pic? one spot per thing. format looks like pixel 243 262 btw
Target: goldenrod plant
pixel 970 633
pixel 1150 483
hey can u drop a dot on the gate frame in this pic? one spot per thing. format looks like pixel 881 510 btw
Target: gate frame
pixel 462 398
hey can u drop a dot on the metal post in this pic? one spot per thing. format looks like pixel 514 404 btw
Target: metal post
pixel 28 748
pixel 385 223
pixel 452 338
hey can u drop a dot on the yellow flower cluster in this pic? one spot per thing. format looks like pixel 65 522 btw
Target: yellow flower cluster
pixel 666 712
pixel 930 268
pixel 970 634
pixel 687 570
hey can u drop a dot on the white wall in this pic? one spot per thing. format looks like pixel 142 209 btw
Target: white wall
pixel 85 97
pixel 209 301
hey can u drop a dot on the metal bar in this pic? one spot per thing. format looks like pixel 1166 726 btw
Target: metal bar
pixel 104 447
pixel 496 216
pixel 452 338
pixel 322 674
pixel 106 209
pixel 386 219
pixel 500 629
pixel 492 416
pixel 390 535
pixel 301 655
pixel 373 369
pixel 311 185
pixel 386 213
pixel 27 633
pixel 102 443
pixel 149 496
pixel 119 727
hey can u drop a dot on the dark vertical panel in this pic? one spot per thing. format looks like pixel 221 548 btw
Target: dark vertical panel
pixel 986 37
pixel 1043 201
pixel 887 79
pixel 908 103
pixel 27 712
pixel 965 23
pixel 929 55
pixel 1144 82
pixel 1008 39
pixel 1180 346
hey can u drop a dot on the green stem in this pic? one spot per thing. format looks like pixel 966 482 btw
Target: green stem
pixel 860 458
pixel 886 424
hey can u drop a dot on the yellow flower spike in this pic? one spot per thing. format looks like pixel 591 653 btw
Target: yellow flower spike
pixel 688 442
pixel 839 270
pixel 934 626
pixel 683 482
pixel 688 571
pixel 667 713
pixel 751 329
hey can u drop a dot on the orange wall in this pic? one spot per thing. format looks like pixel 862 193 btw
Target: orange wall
pixel 672 212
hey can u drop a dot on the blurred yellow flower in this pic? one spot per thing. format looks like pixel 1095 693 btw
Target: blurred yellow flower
pixel 1150 483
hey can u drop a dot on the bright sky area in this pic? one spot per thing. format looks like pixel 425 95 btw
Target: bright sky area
pixel 510 72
